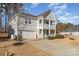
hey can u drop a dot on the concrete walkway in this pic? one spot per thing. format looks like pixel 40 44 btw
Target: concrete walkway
pixel 58 47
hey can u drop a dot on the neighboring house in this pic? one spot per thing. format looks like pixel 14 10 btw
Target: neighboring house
pixel 71 31
pixel 30 26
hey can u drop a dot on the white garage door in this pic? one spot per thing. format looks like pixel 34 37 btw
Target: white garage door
pixel 28 34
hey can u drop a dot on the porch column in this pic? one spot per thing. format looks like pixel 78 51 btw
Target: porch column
pixel 49 27
pixel 54 32
pixel 49 24
pixel 49 32
pixel 42 33
pixel 42 28
pixel 55 29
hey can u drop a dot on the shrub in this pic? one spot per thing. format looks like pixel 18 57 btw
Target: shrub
pixel 59 36
pixel 56 37
pixel 51 37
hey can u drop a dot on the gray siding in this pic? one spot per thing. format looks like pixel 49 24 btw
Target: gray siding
pixel 21 22
pixel 27 26
pixel 13 25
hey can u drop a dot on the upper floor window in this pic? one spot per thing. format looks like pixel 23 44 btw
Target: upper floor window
pixel 26 21
pixel 51 22
pixel 47 22
pixel 29 21
pixel 40 21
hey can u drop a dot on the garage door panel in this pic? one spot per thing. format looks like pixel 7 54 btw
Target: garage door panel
pixel 28 34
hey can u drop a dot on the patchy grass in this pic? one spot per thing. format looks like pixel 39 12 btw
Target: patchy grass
pixel 71 38
pixel 18 43
pixel 21 50
pixel 27 50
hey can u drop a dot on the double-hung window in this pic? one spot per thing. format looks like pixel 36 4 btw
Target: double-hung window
pixel 47 22
pixel 26 21
pixel 29 21
pixel 51 22
pixel 40 21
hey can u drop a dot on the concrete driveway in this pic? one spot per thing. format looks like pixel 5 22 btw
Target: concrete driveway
pixel 57 47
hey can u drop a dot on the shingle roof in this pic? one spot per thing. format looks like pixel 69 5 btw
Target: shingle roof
pixel 74 29
pixel 27 14
pixel 44 14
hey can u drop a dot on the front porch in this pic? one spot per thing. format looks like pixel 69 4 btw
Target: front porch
pixel 47 32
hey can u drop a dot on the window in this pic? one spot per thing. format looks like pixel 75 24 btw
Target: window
pixel 40 21
pixel 29 21
pixel 51 22
pixel 47 32
pixel 40 31
pixel 44 31
pixel 26 21
pixel 47 22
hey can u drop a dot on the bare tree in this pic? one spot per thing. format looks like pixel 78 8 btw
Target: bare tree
pixel 9 9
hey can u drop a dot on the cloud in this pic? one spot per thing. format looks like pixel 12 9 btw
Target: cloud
pixel 57 6
pixel 68 18
pixel 34 5
pixel 53 4
pixel 61 7
pixel 26 8
pixel 60 11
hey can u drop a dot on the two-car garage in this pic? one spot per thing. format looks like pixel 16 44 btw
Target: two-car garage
pixel 28 34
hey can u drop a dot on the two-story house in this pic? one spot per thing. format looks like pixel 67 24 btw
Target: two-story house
pixel 30 26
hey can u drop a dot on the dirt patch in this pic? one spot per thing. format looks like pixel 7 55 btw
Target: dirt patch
pixel 27 50
pixel 21 50
pixel 56 47
pixel 3 39
pixel 64 41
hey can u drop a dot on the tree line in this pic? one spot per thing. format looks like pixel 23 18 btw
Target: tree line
pixel 63 26
pixel 7 10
